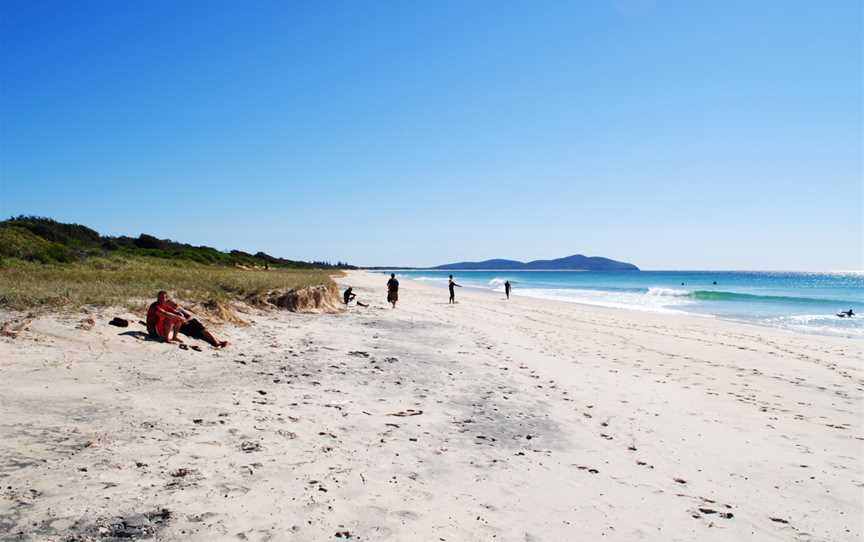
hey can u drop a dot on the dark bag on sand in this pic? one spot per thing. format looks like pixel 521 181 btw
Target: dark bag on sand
pixel 119 322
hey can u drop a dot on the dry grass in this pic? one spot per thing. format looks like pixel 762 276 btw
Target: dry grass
pixel 132 281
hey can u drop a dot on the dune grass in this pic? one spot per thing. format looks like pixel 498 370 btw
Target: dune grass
pixel 132 281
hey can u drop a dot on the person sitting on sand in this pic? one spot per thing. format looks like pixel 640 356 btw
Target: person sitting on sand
pixel 348 295
pixel 165 319
pixel 452 285
pixel 393 290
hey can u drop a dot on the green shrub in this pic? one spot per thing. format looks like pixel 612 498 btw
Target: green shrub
pixel 20 243
pixel 54 231
pixel 47 241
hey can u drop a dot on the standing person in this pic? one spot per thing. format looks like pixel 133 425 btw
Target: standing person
pixel 393 290
pixel 452 285
pixel 507 288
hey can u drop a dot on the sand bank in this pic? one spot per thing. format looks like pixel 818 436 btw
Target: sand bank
pixel 524 420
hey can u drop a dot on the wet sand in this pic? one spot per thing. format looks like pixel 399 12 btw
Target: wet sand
pixel 525 420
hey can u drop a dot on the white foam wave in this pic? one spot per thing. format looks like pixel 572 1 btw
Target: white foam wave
pixel 805 318
pixel 822 324
pixel 617 300
pixel 430 279
pixel 674 292
pixel 497 284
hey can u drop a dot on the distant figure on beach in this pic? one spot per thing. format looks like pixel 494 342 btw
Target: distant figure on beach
pixel 507 288
pixel 393 290
pixel 846 314
pixel 452 285
pixel 348 295
pixel 165 319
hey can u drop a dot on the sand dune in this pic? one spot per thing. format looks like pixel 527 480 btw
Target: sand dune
pixel 524 420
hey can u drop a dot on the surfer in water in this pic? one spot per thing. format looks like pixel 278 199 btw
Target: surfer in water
pixel 846 314
pixel 452 285
pixel 507 288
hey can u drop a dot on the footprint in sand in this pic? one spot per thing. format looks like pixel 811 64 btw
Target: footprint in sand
pixel 248 446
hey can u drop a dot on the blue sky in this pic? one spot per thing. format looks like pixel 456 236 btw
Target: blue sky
pixel 675 135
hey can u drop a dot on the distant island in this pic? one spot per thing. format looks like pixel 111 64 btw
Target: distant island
pixel 577 262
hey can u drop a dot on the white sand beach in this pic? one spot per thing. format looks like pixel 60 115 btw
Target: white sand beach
pixel 521 420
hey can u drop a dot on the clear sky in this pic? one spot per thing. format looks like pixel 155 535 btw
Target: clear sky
pixel 671 134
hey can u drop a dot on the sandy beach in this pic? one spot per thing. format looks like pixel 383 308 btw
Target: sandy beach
pixel 521 420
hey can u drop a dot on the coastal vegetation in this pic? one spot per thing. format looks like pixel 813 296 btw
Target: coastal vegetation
pixel 44 263
pixel 45 240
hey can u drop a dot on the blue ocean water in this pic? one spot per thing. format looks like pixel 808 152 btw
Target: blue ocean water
pixel 806 302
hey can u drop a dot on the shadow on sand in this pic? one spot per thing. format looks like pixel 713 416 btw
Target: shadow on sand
pixel 140 335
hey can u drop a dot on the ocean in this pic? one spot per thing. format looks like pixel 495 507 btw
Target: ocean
pixel 804 302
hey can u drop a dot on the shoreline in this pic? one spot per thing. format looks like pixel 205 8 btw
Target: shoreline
pixel 754 321
pixel 788 271
pixel 521 420
pixel 634 310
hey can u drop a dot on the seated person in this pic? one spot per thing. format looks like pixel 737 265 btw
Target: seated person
pixel 163 321
pixel 165 318
pixel 348 295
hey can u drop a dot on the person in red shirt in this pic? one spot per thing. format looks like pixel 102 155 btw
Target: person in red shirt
pixel 166 318
pixel 163 319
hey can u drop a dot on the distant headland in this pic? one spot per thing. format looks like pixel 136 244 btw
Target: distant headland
pixel 577 262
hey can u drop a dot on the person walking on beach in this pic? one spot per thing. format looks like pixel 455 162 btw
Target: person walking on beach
pixel 452 285
pixel 393 290
pixel 507 288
